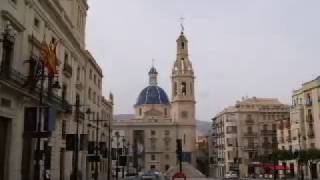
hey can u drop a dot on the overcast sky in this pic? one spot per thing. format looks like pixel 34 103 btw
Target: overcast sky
pixel 262 48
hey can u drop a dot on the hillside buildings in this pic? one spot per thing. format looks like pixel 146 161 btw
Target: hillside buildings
pixel 242 133
pixel 50 93
pixel 158 122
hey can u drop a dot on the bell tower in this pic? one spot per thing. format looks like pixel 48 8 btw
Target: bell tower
pixel 183 100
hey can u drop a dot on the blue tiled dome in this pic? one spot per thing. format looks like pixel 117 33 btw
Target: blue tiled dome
pixel 152 95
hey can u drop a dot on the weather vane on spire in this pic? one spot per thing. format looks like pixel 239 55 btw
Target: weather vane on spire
pixel 152 62
pixel 181 24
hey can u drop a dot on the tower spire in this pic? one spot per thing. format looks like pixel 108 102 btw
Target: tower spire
pixel 153 75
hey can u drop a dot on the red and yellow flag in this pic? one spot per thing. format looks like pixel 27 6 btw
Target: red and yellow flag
pixel 49 54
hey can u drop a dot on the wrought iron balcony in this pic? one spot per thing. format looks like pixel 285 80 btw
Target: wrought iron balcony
pixel 17 81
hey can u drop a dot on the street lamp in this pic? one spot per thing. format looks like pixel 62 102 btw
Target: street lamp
pixel 96 174
pixel 56 85
pixel 117 136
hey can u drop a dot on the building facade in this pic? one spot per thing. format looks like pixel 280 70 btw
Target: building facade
pixel 157 123
pixel 299 132
pixel 244 132
pixel 38 31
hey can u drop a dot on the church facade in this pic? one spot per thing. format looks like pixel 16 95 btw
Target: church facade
pixel 151 132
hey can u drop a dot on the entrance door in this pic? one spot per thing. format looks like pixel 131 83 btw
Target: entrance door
pixel 314 171
pixel 292 170
pixel 3 142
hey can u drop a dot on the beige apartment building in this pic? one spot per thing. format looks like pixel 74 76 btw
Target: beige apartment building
pixel 243 132
pixel 300 131
pixel 158 122
pixel 29 25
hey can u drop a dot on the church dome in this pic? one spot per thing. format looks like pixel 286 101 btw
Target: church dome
pixel 152 95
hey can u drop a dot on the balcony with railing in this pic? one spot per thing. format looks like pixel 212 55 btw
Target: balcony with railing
pixel 268 132
pixel 311 134
pixel 250 147
pixel 249 121
pixel 309 102
pixel 19 82
pixel 288 138
pixel 249 134
pixel 266 145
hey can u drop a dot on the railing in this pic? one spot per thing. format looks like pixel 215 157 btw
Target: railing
pixel 266 145
pixel 249 121
pixel 18 80
pixel 308 102
pixel 249 148
pixel 288 138
pixel 249 134
pixel 268 132
pixel 311 134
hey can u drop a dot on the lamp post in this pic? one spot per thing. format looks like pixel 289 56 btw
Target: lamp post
pixel 96 172
pixel 75 171
pixel 39 119
pixel 109 150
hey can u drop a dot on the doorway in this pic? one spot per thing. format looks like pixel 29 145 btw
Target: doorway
pixel 3 147
pixel 314 171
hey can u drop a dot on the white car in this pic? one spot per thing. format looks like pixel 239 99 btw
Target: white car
pixel 231 175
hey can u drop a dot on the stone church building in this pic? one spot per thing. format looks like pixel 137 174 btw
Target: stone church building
pixel 151 132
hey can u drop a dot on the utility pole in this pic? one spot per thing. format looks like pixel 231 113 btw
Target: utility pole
pixel 117 156
pixel 109 150
pixel 39 119
pixel 76 148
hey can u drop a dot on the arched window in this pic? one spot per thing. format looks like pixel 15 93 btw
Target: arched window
pixel 184 88
pixel 140 111
pixel 165 111
pixel 182 45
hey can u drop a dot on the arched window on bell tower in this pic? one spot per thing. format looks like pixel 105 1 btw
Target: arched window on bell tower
pixel 182 45
pixel 184 88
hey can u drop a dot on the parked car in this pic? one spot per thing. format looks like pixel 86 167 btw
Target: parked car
pixel 231 175
pixel 152 175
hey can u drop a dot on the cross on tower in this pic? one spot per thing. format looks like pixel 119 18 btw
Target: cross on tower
pixel 181 24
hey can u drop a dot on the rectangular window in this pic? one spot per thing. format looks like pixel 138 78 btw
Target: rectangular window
pixel 231 129
pixel 153 132
pixel 36 23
